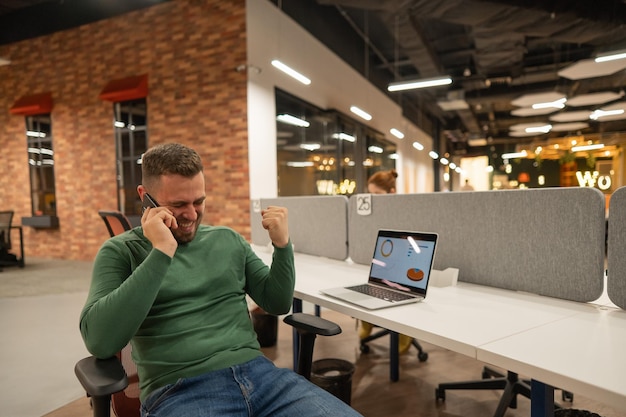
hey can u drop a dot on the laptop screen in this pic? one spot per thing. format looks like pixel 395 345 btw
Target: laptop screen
pixel 403 260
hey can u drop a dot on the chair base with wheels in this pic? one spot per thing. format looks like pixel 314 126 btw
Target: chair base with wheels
pixel 103 378
pixel 510 383
pixel 364 347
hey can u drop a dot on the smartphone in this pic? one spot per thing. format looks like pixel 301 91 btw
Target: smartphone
pixel 148 201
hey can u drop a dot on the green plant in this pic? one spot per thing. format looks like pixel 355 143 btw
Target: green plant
pixel 567 157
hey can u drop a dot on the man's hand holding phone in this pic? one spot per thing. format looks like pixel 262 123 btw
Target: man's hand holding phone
pixel 157 223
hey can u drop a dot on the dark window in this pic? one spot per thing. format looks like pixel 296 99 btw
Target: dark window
pixel 41 164
pixel 329 154
pixel 131 141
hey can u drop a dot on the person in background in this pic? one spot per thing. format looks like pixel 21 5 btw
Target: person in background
pixel 384 182
pixel 176 289
pixel 467 186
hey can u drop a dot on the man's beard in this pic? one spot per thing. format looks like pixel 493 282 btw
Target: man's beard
pixel 185 238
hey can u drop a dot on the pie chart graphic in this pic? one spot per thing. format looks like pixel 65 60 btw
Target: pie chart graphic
pixel 415 274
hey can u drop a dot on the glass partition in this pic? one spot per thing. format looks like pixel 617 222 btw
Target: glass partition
pixel 324 152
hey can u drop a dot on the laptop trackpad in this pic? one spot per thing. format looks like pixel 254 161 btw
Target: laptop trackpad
pixel 347 295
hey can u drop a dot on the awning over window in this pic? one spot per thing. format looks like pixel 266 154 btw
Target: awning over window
pixel 124 89
pixel 34 104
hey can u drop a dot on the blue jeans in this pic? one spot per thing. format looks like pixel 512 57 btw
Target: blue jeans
pixel 255 388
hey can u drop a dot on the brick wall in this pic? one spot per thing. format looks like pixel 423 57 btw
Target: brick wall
pixel 190 50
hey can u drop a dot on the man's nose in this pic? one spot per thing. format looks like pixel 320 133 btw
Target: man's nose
pixel 189 212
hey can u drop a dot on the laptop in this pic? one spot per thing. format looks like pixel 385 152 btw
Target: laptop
pixel 399 273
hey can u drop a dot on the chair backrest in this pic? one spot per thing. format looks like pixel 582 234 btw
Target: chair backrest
pixel 6 217
pixel 126 403
pixel 115 222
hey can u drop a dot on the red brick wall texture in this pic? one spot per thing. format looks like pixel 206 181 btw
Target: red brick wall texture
pixel 189 49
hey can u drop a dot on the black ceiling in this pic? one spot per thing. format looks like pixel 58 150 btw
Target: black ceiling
pixel 25 19
pixel 495 51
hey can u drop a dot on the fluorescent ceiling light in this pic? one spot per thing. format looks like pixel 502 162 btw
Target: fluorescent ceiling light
pixel 292 120
pixel 452 165
pixel 394 156
pixel 587 147
pixel 477 142
pixel 514 155
pixel 418 146
pixel 310 146
pixel 34 134
pixel 119 124
pixel 375 149
pixel 397 133
pixel 291 72
pixel 296 164
pixel 611 57
pixel 433 154
pixel 343 136
pixel 538 129
pixel 423 83
pixel 362 114
pixel 444 161
pixel 603 113
pixel 557 104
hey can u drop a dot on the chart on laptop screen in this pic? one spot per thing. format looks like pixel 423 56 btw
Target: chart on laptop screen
pixel 402 261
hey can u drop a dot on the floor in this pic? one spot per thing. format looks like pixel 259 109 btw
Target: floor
pixel 39 309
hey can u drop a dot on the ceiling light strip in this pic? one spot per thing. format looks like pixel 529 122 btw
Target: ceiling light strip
pixel 611 57
pixel 556 104
pixel 291 72
pixel 514 155
pixel 397 133
pixel 361 113
pixel 588 147
pixel 538 129
pixel 292 120
pixel 421 83
pixel 344 136
pixel 597 114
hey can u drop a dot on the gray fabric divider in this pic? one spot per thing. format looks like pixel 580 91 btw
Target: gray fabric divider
pixel 544 241
pixel 616 250
pixel 318 225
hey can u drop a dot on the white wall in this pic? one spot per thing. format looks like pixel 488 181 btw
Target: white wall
pixel 273 35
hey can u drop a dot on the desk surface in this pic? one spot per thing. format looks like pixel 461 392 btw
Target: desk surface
pixel 583 353
pixel 571 345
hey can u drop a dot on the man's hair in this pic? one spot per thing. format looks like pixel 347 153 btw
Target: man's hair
pixel 169 159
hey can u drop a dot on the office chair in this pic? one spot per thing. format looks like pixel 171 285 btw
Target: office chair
pixel 7 258
pixel 113 382
pixel 421 355
pixel 115 222
pixel 491 380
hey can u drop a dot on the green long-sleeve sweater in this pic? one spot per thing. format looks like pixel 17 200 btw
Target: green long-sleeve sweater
pixel 186 315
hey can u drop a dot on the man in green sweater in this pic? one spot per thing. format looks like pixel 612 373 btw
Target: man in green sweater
pixel 176 289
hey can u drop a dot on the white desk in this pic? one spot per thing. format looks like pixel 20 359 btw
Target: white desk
pixel 571 345
pixel 583 353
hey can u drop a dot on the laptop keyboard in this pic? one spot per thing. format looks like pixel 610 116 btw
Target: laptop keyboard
pixel 380 292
